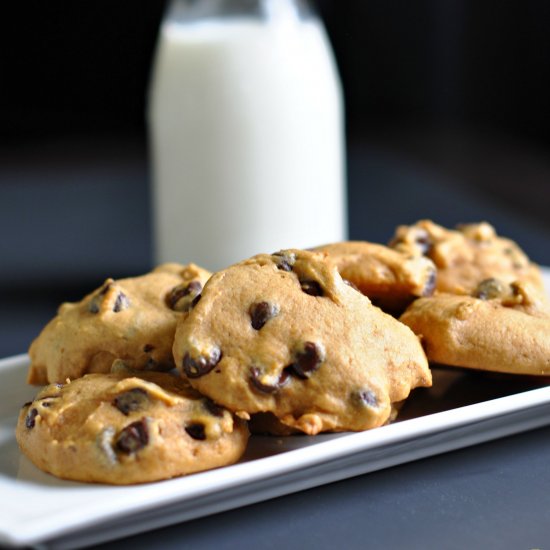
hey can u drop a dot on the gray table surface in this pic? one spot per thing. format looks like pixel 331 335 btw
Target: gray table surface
pixel 69 220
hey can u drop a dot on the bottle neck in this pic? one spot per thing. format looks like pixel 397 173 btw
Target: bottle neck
pixel 196 10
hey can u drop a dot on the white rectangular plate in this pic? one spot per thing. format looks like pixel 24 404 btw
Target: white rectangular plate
pixel 462 408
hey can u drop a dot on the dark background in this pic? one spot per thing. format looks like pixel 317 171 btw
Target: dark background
pixel 447 118
pixel 83 68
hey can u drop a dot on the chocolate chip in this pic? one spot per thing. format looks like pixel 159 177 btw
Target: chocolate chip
pixel 196 300
pixel 308 360
pixel 213 408
pixel 131 400
pixel 429 287
pixel 122 302
pixel 181 298
pixel 367 398
pixel 133 437
pixel 313 288
pixel 284 260
pixel 30 418
pixel 195 368
pixel 255 375
pixel 27 404
pixel 489 289
pixel 196 431
pixel 147 348
pixel 260 313
pixel 423 241
pixel 420 238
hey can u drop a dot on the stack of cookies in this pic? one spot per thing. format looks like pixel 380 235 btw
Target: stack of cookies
pixel 166 374
pixel 490 310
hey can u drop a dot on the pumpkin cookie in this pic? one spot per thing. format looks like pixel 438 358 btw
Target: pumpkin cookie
pixel 131 319
pixel 284 334
pixel 467 255
pixel 502 327
pixel 268 424
pixel 390 278
pixel 107 428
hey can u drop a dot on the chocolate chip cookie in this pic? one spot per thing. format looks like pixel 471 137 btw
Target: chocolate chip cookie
pixel 390 278
pixel 501 327
pixel 107 428
pixel 467 255
pixel 284 334
pixel 130 319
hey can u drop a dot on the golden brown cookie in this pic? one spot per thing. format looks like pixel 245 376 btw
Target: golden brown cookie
pixel 502 327
pixel 107 428
pixel 131 319
pixel 284 334
pixel 467 255
pixel 268 424
pixel 390 278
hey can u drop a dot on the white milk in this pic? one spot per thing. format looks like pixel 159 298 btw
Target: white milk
pixel 247 140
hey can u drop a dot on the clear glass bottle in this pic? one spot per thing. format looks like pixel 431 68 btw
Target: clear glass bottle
pixel 246 131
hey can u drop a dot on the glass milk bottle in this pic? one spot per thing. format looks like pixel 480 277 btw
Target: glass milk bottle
pixel 246 131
